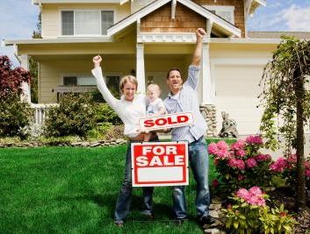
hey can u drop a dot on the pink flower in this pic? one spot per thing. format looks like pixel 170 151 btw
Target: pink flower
pixel 219 149
pixel 279 166
pixel 256 191
pixel 307 173
pixel 238 145
pixel 240 153
pixel 251 162
pixel 256 201
pixel 254 140
pixel 236 163
pixel 262 157
pixel 212 149
pixel 253 196
pixel 243 193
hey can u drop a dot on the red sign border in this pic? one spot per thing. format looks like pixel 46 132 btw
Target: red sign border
pixel 183 182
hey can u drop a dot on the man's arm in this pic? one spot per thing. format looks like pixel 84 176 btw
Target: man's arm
pixel 197 53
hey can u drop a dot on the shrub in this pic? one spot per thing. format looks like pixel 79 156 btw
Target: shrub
pixel 105 114
pixel 75 115
pixel 250 213
pixel 14 115
pixel 286 167
pixel 240 164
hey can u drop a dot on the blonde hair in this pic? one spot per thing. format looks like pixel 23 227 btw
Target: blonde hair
pixel 125 80
pixel 156 86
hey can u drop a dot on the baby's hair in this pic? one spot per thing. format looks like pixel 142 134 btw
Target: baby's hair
pixel 156 86
pixel 125 80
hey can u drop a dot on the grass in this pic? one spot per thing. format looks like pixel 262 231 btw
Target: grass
pixel 74 190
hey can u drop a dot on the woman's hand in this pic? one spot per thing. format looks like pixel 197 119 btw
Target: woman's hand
pixel 97 60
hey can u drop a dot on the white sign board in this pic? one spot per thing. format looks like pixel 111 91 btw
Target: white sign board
pixel 152 123
pixel 159 164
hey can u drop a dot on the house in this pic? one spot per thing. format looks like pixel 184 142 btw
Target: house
pixel 146 38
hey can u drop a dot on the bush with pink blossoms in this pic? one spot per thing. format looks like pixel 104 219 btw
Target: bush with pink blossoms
pixel 240 164
pixel 250 213
pixel 287 168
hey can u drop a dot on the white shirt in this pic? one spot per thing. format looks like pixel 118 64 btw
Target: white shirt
pixel 128 112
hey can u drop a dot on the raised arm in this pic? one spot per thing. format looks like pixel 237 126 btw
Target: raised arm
pixel 102 87
pixel 197 52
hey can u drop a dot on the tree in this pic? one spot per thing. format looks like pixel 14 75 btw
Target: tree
pixel 285 97
pixel 14 114
pixel 11 79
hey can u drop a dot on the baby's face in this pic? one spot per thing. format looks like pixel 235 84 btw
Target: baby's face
pixel 152 93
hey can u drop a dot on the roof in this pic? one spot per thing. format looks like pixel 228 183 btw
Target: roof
pixel 277 34
pixel 76 1
pixel 217 21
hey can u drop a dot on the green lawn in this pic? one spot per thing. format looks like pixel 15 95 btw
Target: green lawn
pixel 74 190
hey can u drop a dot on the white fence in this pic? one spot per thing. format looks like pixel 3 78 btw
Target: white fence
pixel 40 112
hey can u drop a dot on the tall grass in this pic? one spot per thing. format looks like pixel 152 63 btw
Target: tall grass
pixel 74 190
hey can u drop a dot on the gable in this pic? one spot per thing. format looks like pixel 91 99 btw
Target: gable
pixel 160 20
pixel 181 8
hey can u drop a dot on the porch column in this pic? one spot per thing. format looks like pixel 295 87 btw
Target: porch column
pixel 207 107
pixel 207 86
pixel 140 70
pixel 26 95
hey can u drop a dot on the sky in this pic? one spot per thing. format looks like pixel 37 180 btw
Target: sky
pixel 19 19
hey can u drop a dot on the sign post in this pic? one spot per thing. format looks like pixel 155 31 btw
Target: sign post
pixel 159 164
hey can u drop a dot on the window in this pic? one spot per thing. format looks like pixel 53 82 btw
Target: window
pixel 86 22
pixel 78 81
pixel 226 12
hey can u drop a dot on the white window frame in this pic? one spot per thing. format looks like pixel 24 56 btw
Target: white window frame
pixel 85 35
pixel 80 75
pixel 230 9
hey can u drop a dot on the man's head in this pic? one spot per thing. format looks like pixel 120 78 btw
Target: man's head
pixel 174 80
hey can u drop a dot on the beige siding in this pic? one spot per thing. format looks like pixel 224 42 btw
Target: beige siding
pixel 51 21
pixel 52 71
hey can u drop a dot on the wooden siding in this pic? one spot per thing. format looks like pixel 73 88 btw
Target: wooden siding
pixel 160 20
pixel 239 10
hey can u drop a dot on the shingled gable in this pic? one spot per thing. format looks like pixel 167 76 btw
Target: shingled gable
pixel 219 23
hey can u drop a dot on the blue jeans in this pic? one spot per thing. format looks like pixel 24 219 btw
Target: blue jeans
pixel 199 162
pixel 124 198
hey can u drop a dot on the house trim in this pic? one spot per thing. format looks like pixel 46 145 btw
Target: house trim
pixel 39 2
pixel 225 26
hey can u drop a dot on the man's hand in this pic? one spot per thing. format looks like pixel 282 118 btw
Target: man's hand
pixel 97 60
pixel 200 33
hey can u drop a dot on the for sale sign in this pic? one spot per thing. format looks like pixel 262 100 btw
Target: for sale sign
pixel 151 123
pixel 159 164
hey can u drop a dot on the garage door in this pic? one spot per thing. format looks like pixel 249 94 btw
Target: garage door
pixel 236 88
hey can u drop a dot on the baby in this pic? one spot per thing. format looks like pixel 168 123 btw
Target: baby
pixel 155 105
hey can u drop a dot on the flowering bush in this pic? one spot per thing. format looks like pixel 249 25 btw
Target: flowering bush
pixel 287 168
pixel 251 214
pixel 240 164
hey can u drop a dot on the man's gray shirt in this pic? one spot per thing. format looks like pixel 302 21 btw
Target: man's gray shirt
pixel 187 101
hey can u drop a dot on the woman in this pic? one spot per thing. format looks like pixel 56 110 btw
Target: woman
pixel 130 108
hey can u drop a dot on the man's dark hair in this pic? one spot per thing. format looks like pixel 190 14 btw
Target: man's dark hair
pixel 172 69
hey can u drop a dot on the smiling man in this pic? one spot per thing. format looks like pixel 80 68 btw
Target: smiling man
pixel 184 98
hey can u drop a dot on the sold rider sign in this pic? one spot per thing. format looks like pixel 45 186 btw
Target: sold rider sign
pixel 159 164
pixel 166 121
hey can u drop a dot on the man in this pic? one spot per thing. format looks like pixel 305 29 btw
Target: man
pixel 184 98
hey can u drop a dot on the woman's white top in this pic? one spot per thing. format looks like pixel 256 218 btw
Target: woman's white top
pixel 128 112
